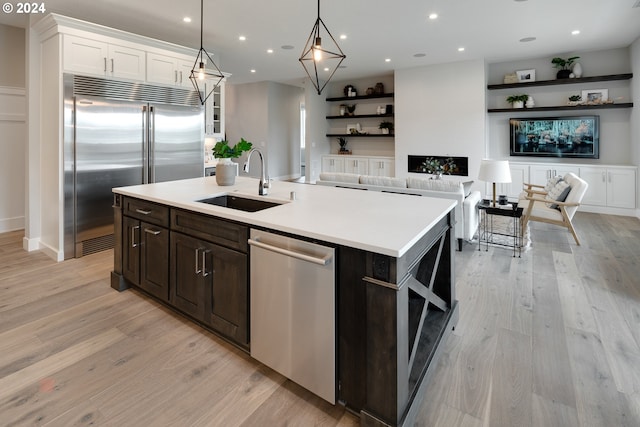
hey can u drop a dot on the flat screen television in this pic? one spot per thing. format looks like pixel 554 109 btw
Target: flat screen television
pixel 575 136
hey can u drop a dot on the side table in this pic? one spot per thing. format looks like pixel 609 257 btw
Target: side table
pixel 487 233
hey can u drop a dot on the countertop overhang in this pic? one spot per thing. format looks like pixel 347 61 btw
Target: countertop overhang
pixel 385 223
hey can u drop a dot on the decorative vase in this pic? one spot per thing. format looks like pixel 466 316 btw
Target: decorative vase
pixel 563 74
pixel 530 102
pixel 518 104
pixel 226 171
pixel 385 131
pixel 577 70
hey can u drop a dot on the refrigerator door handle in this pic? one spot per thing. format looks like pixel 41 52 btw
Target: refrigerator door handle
pixel 152 144
pixel 145 145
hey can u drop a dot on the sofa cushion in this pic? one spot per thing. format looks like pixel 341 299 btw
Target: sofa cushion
pixel 435 184
pixel 383 181
pixel 351 178
pixel 558 193
pixel 466 185
pixel 552 183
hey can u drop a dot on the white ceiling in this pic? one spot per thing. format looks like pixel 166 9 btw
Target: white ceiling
pixel 375 30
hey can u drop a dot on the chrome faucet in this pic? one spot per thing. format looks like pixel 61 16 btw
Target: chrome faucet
pixel 264 178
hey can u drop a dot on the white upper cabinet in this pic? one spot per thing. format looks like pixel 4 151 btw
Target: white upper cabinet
pixel 94 57
pixel 169 70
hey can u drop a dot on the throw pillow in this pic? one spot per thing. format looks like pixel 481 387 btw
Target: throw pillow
pixel 558 194
pixel 552 183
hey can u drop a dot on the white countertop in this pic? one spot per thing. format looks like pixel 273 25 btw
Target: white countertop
pixel 384 223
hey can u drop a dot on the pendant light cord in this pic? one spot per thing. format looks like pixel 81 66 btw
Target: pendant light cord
pixel 202 22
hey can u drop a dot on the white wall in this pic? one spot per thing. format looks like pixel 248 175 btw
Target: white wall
pixel 615 125
pixel 13 128
pixel 440 110
pixel 635 113
pixel 268 115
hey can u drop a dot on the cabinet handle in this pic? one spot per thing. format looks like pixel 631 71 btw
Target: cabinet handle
pixel 609 176
pixel 154 232
pixel 180 77
pixel 175 76
pixel 112 65
pixel 105 64
pixel 604 179
pixel 205 273
pixel 143 212
pixel 133 236
pixel 198 271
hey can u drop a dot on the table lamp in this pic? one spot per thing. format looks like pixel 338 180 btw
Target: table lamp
pixel 494 171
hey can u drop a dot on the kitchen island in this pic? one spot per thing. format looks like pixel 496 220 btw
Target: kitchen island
pixel 394 295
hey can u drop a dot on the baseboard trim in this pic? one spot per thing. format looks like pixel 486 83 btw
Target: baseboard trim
pixel 11 224
pixel 608 210
pixel 52 253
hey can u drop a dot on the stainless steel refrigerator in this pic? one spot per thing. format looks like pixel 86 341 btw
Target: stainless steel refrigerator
pixel 117 134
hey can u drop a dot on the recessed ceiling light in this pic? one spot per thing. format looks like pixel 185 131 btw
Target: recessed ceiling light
pixel 575 32
pixel 433 16
pixel 286 47
pixel 326 69
pixel 253 70
pixel 460 49
pixel 527 39
pixel 242 38
pixel 343 36
pixel 419 55
pixel 387 60
pixel 269 50
pixel 186 19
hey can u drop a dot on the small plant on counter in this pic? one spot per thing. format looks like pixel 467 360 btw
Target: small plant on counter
pixel 517 98
pixel 222 150
pixel 343 144
pixel 575 98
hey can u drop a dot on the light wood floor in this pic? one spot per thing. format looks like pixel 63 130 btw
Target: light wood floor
pixel 549 339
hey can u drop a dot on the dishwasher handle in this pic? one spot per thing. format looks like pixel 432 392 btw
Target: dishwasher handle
pixel 315 260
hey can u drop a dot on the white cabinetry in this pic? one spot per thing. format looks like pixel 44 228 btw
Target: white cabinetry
pixel 98 58
pixel 214 112
pixel 610 186
pixel 519 175
pixel 382 166
pixel 169 70
pixel 357 165
pixel 540 174
pixel 332 164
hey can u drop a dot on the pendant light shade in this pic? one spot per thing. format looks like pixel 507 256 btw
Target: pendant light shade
pixel 321 52
pixel 205 74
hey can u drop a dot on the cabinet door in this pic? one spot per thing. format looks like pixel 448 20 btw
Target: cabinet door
pixel 596 177
pixel 189 276
pixel 381 167
pixel 131 249
pixel 519 175
pixel 126 63
pixel 621 188
pixel 357 165
pixel 161 69
pixel 184 71
pixel 540 174
pixel 84 56
pixel 227 295
pixel 332 164
pixel 154 260
pixel 214 112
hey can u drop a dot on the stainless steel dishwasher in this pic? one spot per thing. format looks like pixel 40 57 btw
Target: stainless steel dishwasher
pixel 293 329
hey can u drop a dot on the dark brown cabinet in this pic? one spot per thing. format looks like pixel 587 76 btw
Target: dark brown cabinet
pixel 146 253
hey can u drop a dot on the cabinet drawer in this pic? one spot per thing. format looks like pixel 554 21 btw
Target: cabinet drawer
pixel 146 211
pixel 214 230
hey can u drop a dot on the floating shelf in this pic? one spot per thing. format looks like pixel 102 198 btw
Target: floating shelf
pixel 555 82
pixel 360 116
pixel 562 108
pixel 355 98
pixel 367 135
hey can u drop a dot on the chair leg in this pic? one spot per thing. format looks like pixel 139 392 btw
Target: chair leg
pixel 570 225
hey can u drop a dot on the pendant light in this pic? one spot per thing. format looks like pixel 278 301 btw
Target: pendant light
pixel 319 52
pixel 205 74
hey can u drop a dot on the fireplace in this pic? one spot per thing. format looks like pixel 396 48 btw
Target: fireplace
pixel 461 169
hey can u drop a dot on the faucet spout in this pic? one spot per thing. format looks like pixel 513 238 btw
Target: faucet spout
pixel 264 178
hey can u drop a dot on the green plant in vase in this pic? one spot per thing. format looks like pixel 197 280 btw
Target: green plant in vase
pixel 564 66
pixel 386 127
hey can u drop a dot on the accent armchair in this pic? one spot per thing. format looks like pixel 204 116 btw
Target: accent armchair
pixel 556 203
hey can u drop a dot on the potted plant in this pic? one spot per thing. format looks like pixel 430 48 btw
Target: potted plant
pixel 386 127
pixel 517 101
pixel 564 66
pixel 226 170
pixel 575 99
pixel 343 145
pixel 437 167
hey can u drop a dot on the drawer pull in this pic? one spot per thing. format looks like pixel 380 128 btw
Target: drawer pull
pixel 143 212
pixel 133 236
pixel 154 232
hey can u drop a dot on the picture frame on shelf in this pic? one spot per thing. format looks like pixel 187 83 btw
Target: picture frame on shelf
pixel 595 96
pixel 526 75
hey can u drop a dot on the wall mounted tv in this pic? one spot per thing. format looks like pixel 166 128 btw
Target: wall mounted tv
pixel 575 136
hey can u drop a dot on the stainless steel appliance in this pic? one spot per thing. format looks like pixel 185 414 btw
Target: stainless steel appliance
pixel 120 133
pixel 293 316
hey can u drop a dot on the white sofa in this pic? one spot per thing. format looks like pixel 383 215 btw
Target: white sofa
pixel 465 212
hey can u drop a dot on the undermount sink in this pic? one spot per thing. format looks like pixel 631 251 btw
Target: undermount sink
pixel 239 203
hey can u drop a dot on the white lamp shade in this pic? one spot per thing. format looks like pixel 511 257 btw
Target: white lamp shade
pixel 494 171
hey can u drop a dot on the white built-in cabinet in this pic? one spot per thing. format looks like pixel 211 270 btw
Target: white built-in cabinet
pixel 361 165
pixel 169 70
pixel 612 189
pixel 214 112
pixel 86 56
